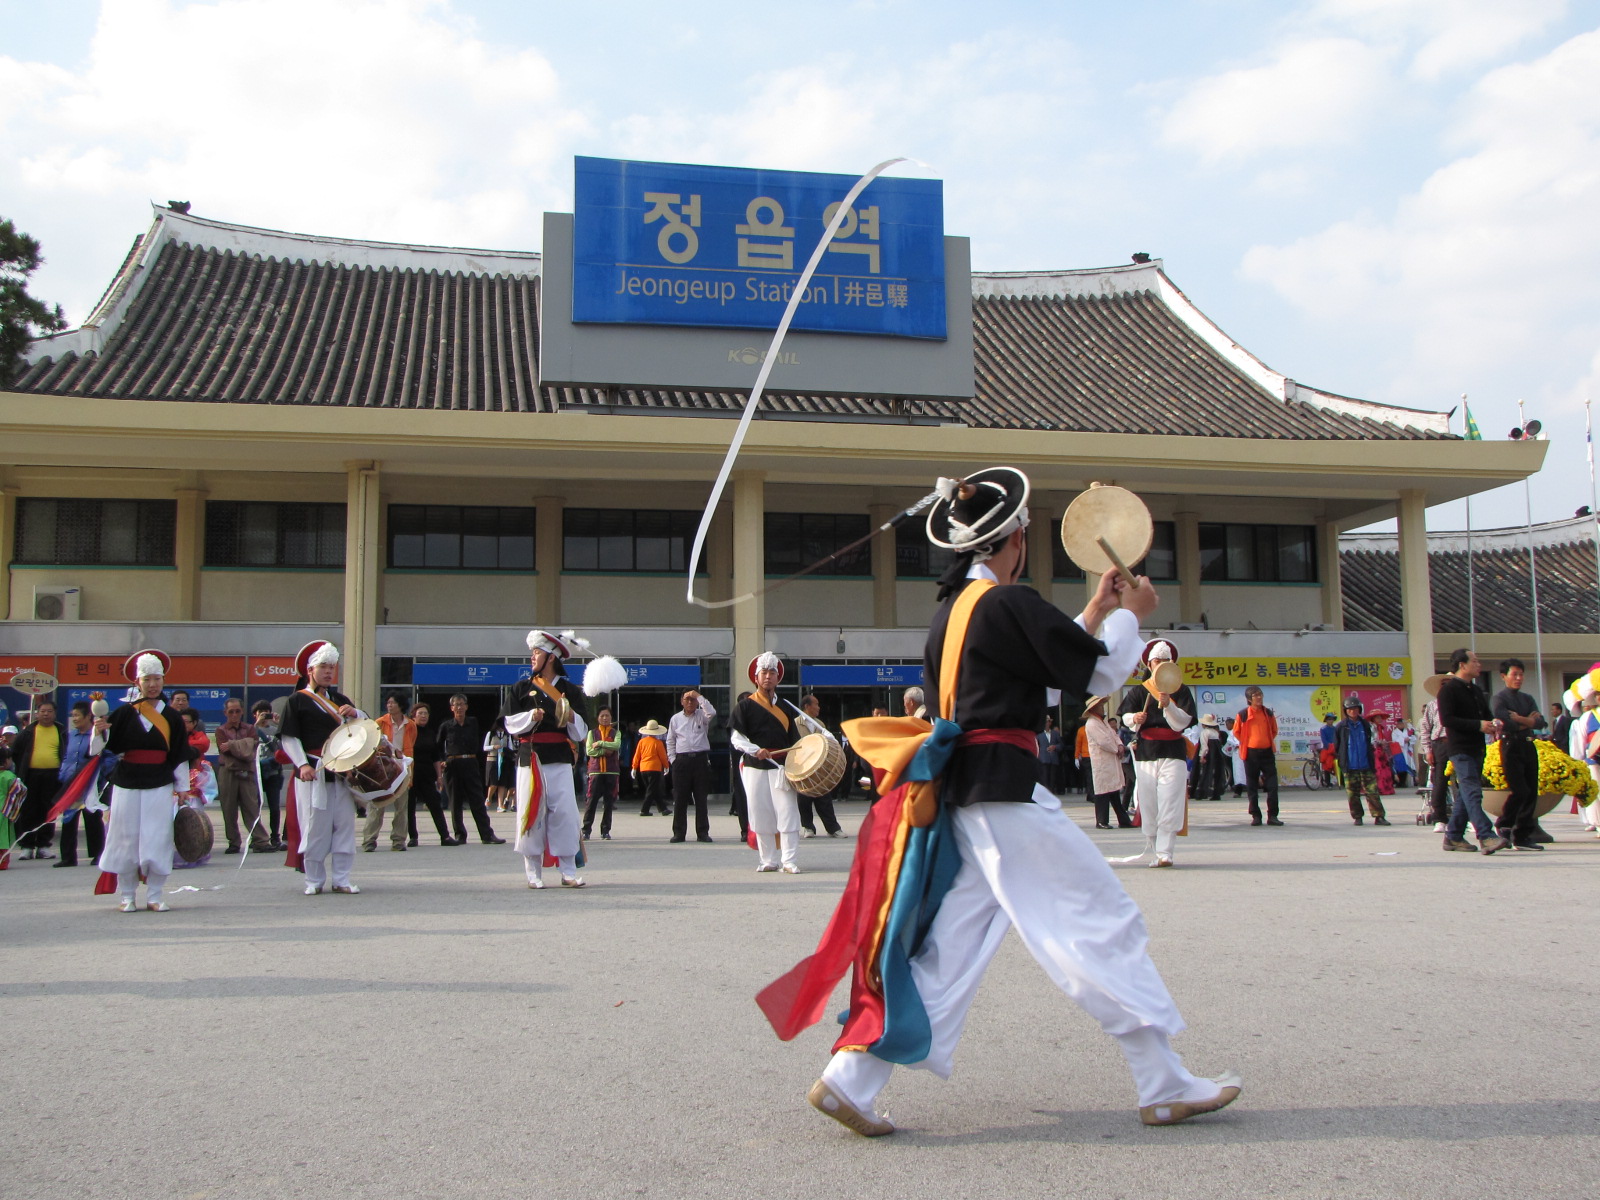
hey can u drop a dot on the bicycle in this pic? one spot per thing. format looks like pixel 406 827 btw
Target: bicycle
pixel 1314 775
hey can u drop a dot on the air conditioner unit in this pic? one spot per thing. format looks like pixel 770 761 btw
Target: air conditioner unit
pixel 56 602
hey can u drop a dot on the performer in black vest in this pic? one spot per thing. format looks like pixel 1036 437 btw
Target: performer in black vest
pixel 324 805
pixel 762 729
pixel 1022 861
pixel 149 738
pixel 545 716
pixel 1160 755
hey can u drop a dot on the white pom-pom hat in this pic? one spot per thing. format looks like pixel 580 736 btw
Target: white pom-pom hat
pixel 563 645
pixel 146 662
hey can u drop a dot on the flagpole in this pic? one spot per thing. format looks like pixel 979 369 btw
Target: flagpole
pixel 1472 608
pixel 1533 575
pixel 1594 506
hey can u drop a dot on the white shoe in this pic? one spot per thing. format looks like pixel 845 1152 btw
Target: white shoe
pixel 313 890
pixel 789 869
pixel 1162 862
pixel 1439 826
pixel 347 889
pixel 129 905
pixel 536 884
pixel 1182 1110
pixel 573 881
pixel 766 867
pixel 158 906
pixel 805 833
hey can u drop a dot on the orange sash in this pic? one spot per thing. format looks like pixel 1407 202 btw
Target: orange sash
pixel 322 702
pixel 783 717
pixel 157 718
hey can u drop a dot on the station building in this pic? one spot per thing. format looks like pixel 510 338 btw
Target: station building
pixel 260 437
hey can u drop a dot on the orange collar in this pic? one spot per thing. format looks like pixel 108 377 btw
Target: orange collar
pixel 771 707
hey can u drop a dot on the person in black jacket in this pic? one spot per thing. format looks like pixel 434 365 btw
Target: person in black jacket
pixel 1465 717
pixel 461 753
pixel 150 739
pixel 1518 716
pixel 37 757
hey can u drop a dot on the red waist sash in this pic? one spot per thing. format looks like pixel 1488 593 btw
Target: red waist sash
pixel 545 737
pixel 1160 733
pixel 144 758
pixel 1022 739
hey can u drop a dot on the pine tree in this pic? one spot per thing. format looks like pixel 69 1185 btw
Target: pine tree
pixel 22 317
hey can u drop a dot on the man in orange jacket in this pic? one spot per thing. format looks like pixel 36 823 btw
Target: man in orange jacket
pixel 1257 731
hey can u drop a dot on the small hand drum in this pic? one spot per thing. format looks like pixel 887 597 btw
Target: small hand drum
pixel 815 765
pixel 1106 528
pixel 193 835
pixel 1167 677
pixel 350 745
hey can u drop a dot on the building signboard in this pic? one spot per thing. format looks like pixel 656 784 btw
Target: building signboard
pixel 815 675
pixel 1351 672
pixel 674 244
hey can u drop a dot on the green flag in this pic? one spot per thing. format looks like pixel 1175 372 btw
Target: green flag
pixel 1472 426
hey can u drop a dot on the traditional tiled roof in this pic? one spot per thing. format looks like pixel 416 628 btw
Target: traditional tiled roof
pixel 1501 597
pixel 207 311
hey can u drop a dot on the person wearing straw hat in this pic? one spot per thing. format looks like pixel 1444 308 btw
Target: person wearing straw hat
pixel 763 729
pixel 324 804
pixel 547 802
pixel 153 754
pixel 993 850
pixel 1160 755
pixel 650 764
pixel 1105 765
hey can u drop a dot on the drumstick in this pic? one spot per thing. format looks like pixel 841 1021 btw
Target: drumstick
pixel 1105 547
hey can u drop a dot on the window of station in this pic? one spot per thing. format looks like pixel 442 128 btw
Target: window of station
pixel 1160 563
pixel 622 539
pixel 242 533
pixel 796 540
pixel 445 537
pixel 914 556
pixel 96 533
pixel 1258 553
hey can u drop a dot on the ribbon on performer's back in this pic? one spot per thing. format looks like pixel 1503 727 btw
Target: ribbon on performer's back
pixel 905 862
pixel 76 794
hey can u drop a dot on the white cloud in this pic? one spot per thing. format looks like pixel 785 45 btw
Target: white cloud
pixel 366 118
pixel 1448 35
pixel 1315 92
pixel 1486 278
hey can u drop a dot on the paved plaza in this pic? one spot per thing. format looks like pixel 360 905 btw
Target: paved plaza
pixel 1409 1023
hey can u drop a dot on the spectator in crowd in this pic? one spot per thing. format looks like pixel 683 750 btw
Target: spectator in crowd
pixel 738 799
pixel 1212 765
pixel 501 784
pixel 912 701
pixel 1330 739
pixel 1519 716
pixel 266 723
pixel 1404 753
pixel 1383 753
pixel 1256 728
pixel 426 763
pixel 1049 743
pixel 237 743
pixel 180 700
pixel 1465 716
pixel 1580 735
pixel 1435 750
pixel 8 780
pixel 1357 752
pixel 818 806
pixel 1106 756
pixel 689 756
pixel 1080 755
pixel 1235 757
pixel 36 755
pixel 649 764
pixel 603 749
pixel 1560 726
pixel 461 769
pixel 401 734
pixel 80 729
pixel 8 736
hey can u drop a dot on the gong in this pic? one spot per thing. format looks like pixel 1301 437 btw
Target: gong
pixel 1106 528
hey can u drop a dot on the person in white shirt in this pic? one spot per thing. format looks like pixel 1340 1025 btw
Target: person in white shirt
pixel 689 761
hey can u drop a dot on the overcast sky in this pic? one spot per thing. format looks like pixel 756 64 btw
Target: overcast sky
pixel 1392 199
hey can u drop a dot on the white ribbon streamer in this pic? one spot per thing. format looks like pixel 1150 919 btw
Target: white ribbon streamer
pixel 761 383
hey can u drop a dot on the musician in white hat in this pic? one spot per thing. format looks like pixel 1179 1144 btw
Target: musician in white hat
pixel 546 717
pixel 152 768
pixel 1160 758
pixel 1021 861
pixel 325 807
pixel 763 728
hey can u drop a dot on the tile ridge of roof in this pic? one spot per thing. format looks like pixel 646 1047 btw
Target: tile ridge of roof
pixel 1278 385
pixel 1068 282
pixel 1567 531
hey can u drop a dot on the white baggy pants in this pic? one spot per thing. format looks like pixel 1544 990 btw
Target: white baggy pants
pixel 329 833
pixel 139 838
pixel 771 810
pixel 1159 789
pixel 1030 866
pixel 556 824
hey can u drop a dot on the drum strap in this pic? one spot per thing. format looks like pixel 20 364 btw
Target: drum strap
pixel 955 641
pixel 322 702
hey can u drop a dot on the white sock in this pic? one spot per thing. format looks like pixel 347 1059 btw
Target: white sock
pixel 1158 1073
pixel 858 1077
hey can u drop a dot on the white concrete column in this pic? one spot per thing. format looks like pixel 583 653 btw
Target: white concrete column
pixel 885 607
pixel 1187 536
pixel 1332 579
pixel 8 545
pixel 1416 595
pixel 363 558
pixel 1041 542
pixel 749 568
pixel 549 541
pixel 189 552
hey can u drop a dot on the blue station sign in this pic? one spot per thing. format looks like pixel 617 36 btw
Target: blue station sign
pixel 814 675
pixel 506 674
pixel 671 244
